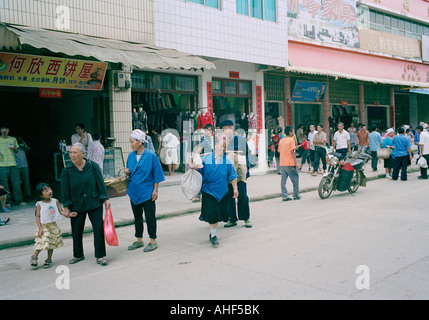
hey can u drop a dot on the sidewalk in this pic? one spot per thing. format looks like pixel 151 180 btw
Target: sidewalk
pixel 171 202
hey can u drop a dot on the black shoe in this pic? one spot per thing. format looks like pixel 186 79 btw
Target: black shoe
pixel 213 240
pixel 422 178
pixel 287 199
pixel 297 198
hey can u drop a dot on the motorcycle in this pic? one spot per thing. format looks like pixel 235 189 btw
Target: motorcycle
pixel 344 175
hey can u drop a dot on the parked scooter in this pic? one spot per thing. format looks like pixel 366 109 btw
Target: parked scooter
pixel 344 175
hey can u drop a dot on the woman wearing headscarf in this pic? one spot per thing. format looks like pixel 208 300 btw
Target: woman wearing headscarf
pixel 217 171
pixel 388 143
pixel 83 191
pixel 144 173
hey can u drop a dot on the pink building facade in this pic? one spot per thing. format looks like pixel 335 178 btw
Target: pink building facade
pixel 368 56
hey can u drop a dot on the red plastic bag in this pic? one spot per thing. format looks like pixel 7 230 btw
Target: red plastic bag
pixel 109 229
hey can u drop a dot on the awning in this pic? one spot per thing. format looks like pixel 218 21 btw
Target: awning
pixel 356 65
pixel 109 50
pixel 356 77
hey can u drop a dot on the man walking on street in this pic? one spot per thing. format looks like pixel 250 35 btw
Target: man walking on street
pixel 362 139
pixel 288 164
pixel 375 142
pixel 402 154
pixel 341 142
pixel 424 150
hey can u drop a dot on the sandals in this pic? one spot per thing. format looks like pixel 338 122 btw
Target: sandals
pixel 33 261
pixel 47 264
pixel 76 260
pixel 102 261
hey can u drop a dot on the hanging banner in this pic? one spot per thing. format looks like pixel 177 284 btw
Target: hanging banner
pixel 20 70
pixel 209 98
pixel 259 115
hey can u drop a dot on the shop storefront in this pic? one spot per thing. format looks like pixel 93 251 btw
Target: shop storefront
pixel 44 97
pixel 162 100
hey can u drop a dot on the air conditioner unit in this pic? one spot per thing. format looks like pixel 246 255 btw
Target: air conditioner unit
pixel 121 80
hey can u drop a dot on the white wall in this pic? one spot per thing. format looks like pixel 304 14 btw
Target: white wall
pixel 210 32
pixel 130 20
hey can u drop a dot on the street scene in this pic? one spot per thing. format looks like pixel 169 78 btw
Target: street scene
pixel 306 249
pixel 214 150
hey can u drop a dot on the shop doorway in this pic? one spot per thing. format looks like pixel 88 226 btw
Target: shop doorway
pixel 307 114
pixel 43 122
pixel 377 116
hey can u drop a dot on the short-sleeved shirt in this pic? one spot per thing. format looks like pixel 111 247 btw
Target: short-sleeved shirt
pixel 363 137
pixel 319 136
pixel 374 141
pixel 401 143
pixel 424 140
pixel 145 172
pixel 217 176
pixel 7 156
pixel 342 139
pixel 286 148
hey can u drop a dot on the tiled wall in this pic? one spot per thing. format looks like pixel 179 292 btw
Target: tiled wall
pixel 221 33
pixel 130 20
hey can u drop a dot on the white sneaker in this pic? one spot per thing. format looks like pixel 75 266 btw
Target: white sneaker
pixel 388 176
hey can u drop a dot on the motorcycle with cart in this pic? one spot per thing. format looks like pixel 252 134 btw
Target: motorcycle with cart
pixel 344 175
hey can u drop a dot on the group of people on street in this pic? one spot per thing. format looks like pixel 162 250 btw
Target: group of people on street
pixel 224 167
pixel 84 193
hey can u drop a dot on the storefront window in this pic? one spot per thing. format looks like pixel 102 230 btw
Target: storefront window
pixel 162 82
pixel 185 84
pixel 138 80
pixel 244 88
pixel 230 87
pixel 217 86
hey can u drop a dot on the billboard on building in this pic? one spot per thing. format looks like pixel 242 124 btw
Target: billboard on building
pixel 325 21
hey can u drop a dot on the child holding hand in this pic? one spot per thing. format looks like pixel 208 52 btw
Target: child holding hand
pixel 48 212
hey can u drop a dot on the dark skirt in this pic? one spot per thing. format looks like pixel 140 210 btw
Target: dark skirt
pixel 213 211
pixel 388 163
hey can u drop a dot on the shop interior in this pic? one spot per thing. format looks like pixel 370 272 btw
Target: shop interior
pixel 43 122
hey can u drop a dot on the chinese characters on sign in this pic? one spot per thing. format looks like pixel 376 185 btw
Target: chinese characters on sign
pixel 328 21
pixel 389 43
pixel 50 93
pixel 209 98
pixel 259 115
pixel 48 72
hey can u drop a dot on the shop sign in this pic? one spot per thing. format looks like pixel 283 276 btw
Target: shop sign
pixel 324 21
pixel 234 75
pixel 50 72
pixel 259 115
pixel 389 43
pixel 209 98
pixel 50 93
pixel 309 91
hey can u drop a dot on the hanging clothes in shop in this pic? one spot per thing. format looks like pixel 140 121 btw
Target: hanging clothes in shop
pixel 204 119
pixel 252 121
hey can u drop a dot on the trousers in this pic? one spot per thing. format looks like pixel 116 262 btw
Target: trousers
pixel 242 204
pixel 400 163
pixel 286 172
pixel 77 227
pixel 149 208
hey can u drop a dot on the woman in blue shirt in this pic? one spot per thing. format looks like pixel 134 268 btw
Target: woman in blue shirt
pixel 388 143
pixel 217 171
pixel 145 174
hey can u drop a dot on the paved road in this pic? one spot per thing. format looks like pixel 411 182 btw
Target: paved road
pixel 306 249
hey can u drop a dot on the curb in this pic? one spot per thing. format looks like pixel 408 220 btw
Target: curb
pixel 25 241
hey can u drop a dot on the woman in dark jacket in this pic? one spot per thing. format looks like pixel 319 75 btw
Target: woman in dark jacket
pixel 84 192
